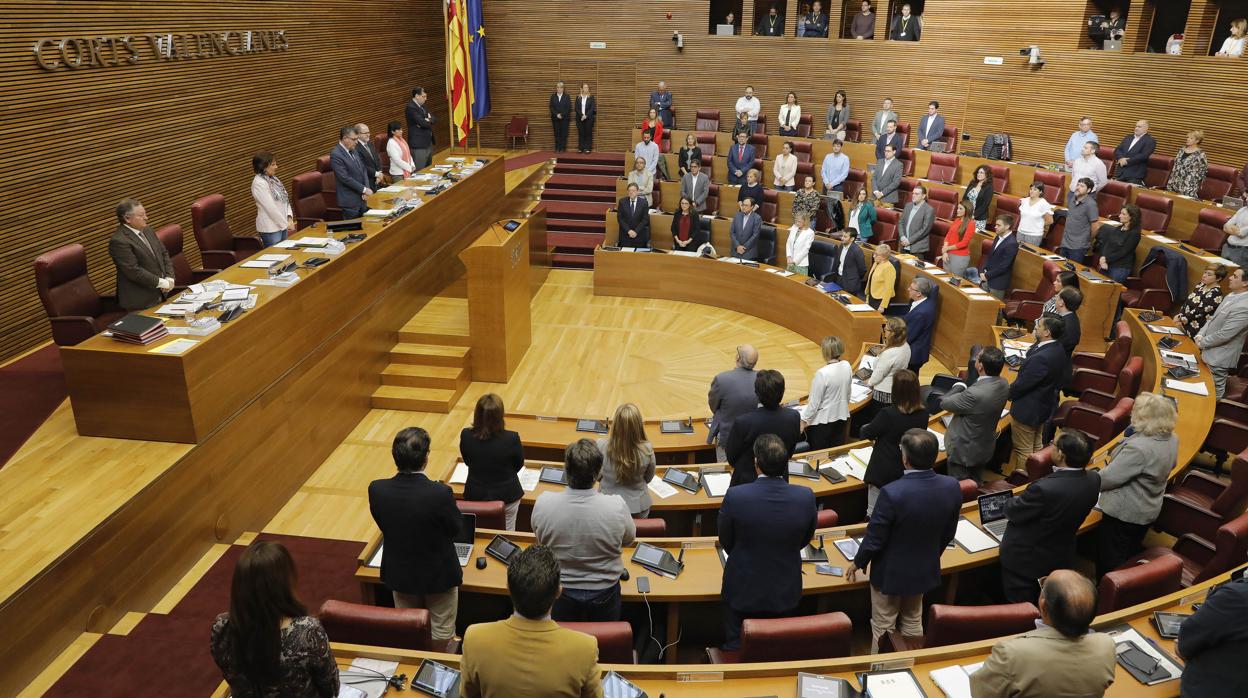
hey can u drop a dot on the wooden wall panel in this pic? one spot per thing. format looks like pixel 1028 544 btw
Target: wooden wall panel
pixel 169 132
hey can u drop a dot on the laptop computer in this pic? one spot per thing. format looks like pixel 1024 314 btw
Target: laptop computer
pixel 992 512
pixel 725 29
pixel 465 538
pixel 938 147
pixel 1113 45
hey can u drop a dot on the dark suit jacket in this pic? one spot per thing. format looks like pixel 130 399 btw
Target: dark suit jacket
pixel 1137 157
pixel 138 269
pixel 418 521
pixel 662 103
pixel 1071 332
pixel 419 127
pixel 999 266
pixel 743 163
pixel 782 421
pixel 633 216
pixel 912 29
pixel 492 466
pixel 896 139
pixel 851 279
pixel 765 27
pixel 745 232
pixel 937 130
pixel 699 231
pixel 372 163
pixel 763 527
pixel 731 395
pixel 755 193
pixel 1033 394
pixel 350 177
pixel 1214 642
pixel 914 519
pixel 561 105
pixel 887 428
pixel 1044 520
pixel 591 108
pixel 920 325
pixel 982 202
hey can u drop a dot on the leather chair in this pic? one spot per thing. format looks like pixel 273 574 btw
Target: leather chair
pixel 1112 197
pixel 1129 586
pixel 1105 153
pixel 940 229
pixel 943 167
pixel 75 309
pixel 1149 289
pixel 904 188
pixel 706 120
pixel 826 518
pixel 171 237
pixel 1158 172
pixel 1104 388
pixel 1101 427
pixel 904 129
pixel 1229 431
pixel 767 244
pixel 1209 235
pixel 803 126
pixel 822 636
pixel 492 515
pixel 383 158
pixel 1114 358
pixel 378 626
pixel 1155 211
pixel 329 188
pixel 803 151
pixel 770 206
pixel 906 156
pixel 707 144
pixel 1054 186
pixel 853 131
pixel 804 169
pixel 1038 465
pixel 970 490
pixel 218 247
pixel 857 179
pixel 822 253
pixel 1201 503
pixel 1203 559
pixel 950 136
pixel 944 202
pixel 760 126
pixel 1000 177
pixel 1025 306
pixel 615 640
pixel 1009 204
pixel 307 201
pixel 759 141
pixel 712 198
pixel 650 528
pixel 953 625
pixel 885 228
pixel 1218 182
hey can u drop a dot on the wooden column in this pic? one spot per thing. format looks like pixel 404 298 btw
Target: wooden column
pixel 499 322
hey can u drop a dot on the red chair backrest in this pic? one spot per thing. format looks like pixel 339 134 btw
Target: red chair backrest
pixel 970 492
pixel 951 625
pixel 489 514
pixel 171 237
pixel 615 640
pixel 821 636
pixel 803 126
pixel 943 167
pixel 1144 582
pixel 904 189
pixel 950 137
pixel 1230 548
pixel 1129 377
pixel 904 130
pixel 826 518
pixel 1105 154
pixel 853 131
pixel 379 146
pixel 944 202
pixel 885 227
pixel 63 284
pixel 1009 204
pixel 1217 182
pixel 759 141
pixel 519 126
pixel 1040 463
pixel 650 528
pixel 1000 177
pixel 1111 197
pixel 907 162
pixel 379 626
pixel 770 207
pixel 329 183
pixel 706 120
pixel 1209 234
pixel 1233 496
pixel 1054 186
pixel 1048 274
pixel 212 232
pixel 804 169
pixel 940 229
pixel 1158 172
pixel 856 180
pixel 306 200
pixel 802 149
pixel 1155 211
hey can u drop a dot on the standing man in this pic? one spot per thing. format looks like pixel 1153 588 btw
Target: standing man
pixel 661 102
pixel 1214 642
pixel 560 116
pixel 881 119
pixel 633 215
pixel 1222 338
pixel 849 267
pixel 972 434
pixel 419 521
pixel 350 175
pixel 931 126
pixel 834 172
pixel 905 27
pixel 920 322
pixel 914 519
pixel 863 26
pixel 999 265
pixel 763 526
pixel 695 186
pixel 916 223
pixel 740 159
pixel 731 395
pixel 1045 518
pixel 1033 394
pixel 368 155
pixel 743 235
pixel 889 137
pixel 1081 213
pixel 886 177
pixel 647 150
pixel 772 24
pixel 1236 247
pixel 750 105
pixel 768 418
pixel 420 136
pixel 1090 166
pixel 1132 154
pixel 1074 145
pixel 144 270
pixel 585 111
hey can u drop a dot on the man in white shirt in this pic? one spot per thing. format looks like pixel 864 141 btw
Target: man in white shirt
pixel 647 150
pixel 1236 247
pixel 750 105
pixel 1074 145
pixel 1090 166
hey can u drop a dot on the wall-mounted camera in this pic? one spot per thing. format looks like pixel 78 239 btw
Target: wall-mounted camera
pixel 679 40
pixel 1033 55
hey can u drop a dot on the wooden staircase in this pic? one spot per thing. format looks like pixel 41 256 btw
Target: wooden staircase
pixel 429 365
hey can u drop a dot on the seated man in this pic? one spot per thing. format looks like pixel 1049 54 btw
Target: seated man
pixel 746 226
pixel 498 657
pixel 740 159
pixel 768 418
pixel 633 215
pixel 144 270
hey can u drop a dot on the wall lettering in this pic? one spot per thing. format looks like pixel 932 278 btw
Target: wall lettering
pixel 78 52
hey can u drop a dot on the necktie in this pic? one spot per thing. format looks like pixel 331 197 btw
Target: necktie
pixel 146 245
pixel 740 152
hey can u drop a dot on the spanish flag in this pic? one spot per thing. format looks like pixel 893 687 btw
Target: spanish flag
pixel 458 70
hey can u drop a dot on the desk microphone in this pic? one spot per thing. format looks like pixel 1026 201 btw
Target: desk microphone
pixel 680 558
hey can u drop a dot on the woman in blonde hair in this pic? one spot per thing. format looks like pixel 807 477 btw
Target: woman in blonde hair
pixel 1133 482
pixel 895 357
pixel 628 460
pixel 827 411
pixel 1190 167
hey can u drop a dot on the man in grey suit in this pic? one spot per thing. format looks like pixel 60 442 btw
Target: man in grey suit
pixel 350 177
pixel 746 226
pixel 695 186
pixel 881 119
pixel 916 223
pixel 886 177
pixel 1222 338
pixel 732 395
pixel 976 409
pixel 144 270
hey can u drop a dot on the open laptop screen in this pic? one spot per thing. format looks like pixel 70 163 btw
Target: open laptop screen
pixel 992 506
pixel 467 528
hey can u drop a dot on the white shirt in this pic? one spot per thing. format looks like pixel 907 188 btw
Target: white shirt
pixel 1240 220
pixel 829 394
pixel 915 304
pixel 784 169
pixel 648 152
pixel 1233 46
pixel 789 114
pixel 749 105
pixel 584 101
pixel 1031 216
pixel 797 250
pixel 398 166
pixel 1091 167
pixel 853 218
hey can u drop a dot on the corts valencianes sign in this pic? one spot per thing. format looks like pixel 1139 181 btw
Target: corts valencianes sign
pixel 77 52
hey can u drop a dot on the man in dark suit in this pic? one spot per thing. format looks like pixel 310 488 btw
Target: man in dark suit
pixel 914 519
pixel 931 126
pixel 1033 394
pixel 731 395
pixel 920 322
pixel 745 229
pixel 905 26
pixel 1214 642
pixel 585 111
pixel 661 102
pixel 368 156
pixel 768 418
pixel 1132 154
pixel 420 129
pixel 560 116
pixel 350 176
pixel 772 24
pixel 1045 518
pixel 418 521
pixel 999 266
pixel 1068 301
pixel 849 268
pixel 740 159
pixel 976 408
pixel 763 527
pixel 886 177
pixel 144 270
pixel 633 215
pixel 889 137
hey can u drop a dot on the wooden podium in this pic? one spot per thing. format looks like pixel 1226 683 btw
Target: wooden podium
pixel 499 322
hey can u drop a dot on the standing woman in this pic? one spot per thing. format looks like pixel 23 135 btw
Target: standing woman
pixel 628 460
pixel 806 201
pixel 790 115
pixel 1064 279
pixel 274 218
pixel 957 248
pixel 494 456
pixel 882 279
pixel 654 126
pixel 267 644
pixel 688 154
pixel 1202 301
pixel 752 189
pixel 1190 167
pixel 862 216
pixel 688 231
pixel 838 117
pixel 1234 45
pixel 1117 244
pixel 784 169
pixel 978 196
pixel 827 410
pixel 401 165
pixel 893 360
pixel 1035 215
pixel 797 249
pixel 905 413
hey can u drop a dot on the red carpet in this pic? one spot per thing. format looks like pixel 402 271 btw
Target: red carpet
pixel 518 161
pixel 31 388
pixel 576 200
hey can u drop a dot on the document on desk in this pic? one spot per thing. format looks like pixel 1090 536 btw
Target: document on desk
pixel 935 271
pixel 363 667
pixel 1130 635
pixel 236 294
pixel 972 537
pixel 859 308
pixel 273 258
pixel 1178 358
pixel 892 684
pixel 867 361
pixel 859 391
pixel 1193 388
pixel 174 348
pixel 256 264
pixel 1163 329
pixel 974 291
pixel 685 253
pixel 1164 239
pixel 940 438
pixel 730 260
pixel 346 690
pixel 286 244
pixel 460 475
pixel 716 483
pixel 661 489
pixel 529 478
pixel 849 467
pixel 390 190
pixel 862 455
pixel 955 681
pixel 177 309
pixel 378 212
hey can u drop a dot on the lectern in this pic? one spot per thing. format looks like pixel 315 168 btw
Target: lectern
pixel 499 323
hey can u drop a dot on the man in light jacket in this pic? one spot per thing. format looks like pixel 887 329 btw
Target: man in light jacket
pixel 916 223
pixel 1222 338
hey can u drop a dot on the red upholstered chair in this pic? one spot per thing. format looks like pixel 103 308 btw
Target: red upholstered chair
pixel 1149 289
pixel 171 237
pixel 1218 182
pixel 826 518
pixel 904 188
pixel 1105 153
pixel 803 126
pixel 770 207
pixel 706 143
pixel 856 180
pixel 1155 211
pixel 885 228
pixel 1009 204
pixel 75 309
pixel 940 229
pixel 706 120
pixel 1038 465
pixel 853 131
pixel 1229 431
pixel 517 128
pixel 1104 388
pixel 950 137
pixel 943 167
pixel 1054 186
pixel 1111 198
pixel 906 156
pixel 650 528
pixel 378 626
pixel 944 202
pixel 1158 172
pixel 1026 306
pixel 953 625
pixel 1114 358
pixel 1100 426
pixel 1000 177
pixel 803 169
pixel 329 188
pixel 1209 235
pixel 379 146
pixel 904 130
pixel 759 141
pixel 823 636
pixel 492 515
pixel 970 490
pixel 803 150
pixel 1204 559
pixel 1201 503
pixel 615 640
pixel 218 247
pixel 307 201
pixel 1129 586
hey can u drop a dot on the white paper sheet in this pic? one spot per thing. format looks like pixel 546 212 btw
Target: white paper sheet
pixel 235 294
pixel 859 391
pixel 849 467
pixel 859 308
pixel 1163 329
pixel 940 438
pixel 893 684
pixel 717 483
pixel 1193 388
pixel 460 475
pixel 974 291
pixel 955 681
pixel 972 537
pixel 273 258
pixel 661 489
pixel 175 347
pixel 529 478
pixel 378 212
pixel 256 264
pixel 862 454
pixel 361 666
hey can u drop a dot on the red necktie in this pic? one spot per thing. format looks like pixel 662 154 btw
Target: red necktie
pixel 740 152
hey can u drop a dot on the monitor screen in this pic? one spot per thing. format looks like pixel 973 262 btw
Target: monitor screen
pixel 649 555
pixel 467 528
pixel 436 678
pixel 502 548
pixel 992 506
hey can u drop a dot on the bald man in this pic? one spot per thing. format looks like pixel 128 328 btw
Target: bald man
pixel 731 395
pixel 1023 666
pixel 368 155
pixel 1131 155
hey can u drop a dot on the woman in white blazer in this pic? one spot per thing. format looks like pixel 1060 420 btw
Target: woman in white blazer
pixel 827 410
pixel 784 168
pixel 797 249
pixel 401 165
pixel 790 115
pixel 274 217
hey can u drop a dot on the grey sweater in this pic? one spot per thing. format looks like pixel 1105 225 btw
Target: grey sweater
pixel 1133 483
pixel 587 531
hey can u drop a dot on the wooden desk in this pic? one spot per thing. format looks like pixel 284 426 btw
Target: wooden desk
pixel 964 319
pixel 1197 259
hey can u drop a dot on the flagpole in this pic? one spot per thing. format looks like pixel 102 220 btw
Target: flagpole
pixel 446 78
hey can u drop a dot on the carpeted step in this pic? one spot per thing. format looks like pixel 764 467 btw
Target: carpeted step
pixel 589 169
pixel 579 241
pixel 575 225
pixel 589 182
pixel 595 158
pixel 576 210
pixel 604 197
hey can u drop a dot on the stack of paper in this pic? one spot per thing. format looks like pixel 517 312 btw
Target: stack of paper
pixel 529 478
pixel 972 538
pixel 849 467
pixel 362 667
pixel 378 212
pixel 859 391
pixel 955 680
pixel 177 346
pixel 862 454
pixel 859 308
pixel 661 489
pixel 1193 388
pixel 892 684
pixel 460 475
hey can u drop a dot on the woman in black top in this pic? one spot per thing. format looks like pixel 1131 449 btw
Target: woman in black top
pixel 906 412
pixel 493 456
pixel 752 189
pixel 688 232
pixel 1117 244
pixel 688 154
pixel 978 196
